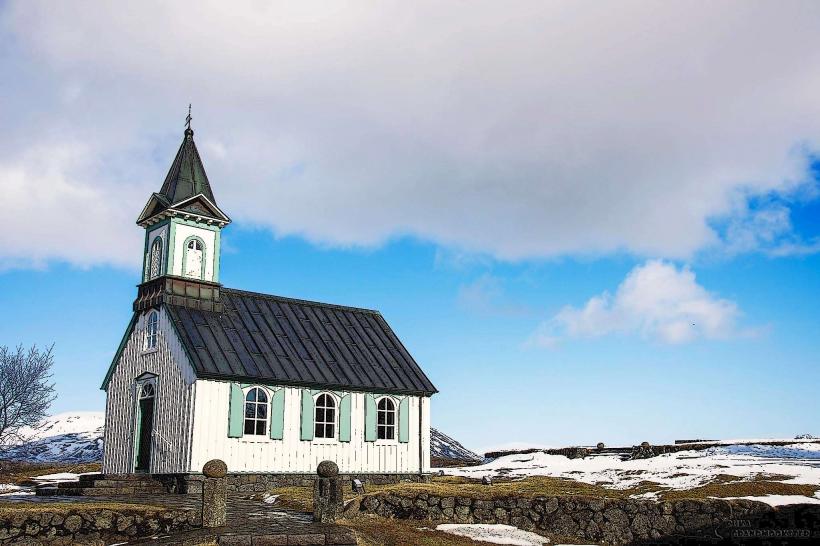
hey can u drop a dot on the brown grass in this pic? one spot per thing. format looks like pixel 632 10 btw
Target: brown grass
pixel 19 473
pixel 301 498
pixel 732 486
pixel 12 508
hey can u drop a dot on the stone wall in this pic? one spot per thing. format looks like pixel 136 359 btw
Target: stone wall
pixel 611 521
pixel 259 483
pixel 90 526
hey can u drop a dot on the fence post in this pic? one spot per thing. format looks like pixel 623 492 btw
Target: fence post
pixel 214 494
pixel 328 495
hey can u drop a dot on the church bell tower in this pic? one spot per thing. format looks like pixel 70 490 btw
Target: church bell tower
pixel 183 226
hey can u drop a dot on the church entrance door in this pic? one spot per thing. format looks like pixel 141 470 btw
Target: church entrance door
pixel 144 428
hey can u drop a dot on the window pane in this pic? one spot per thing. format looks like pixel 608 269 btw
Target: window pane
pixel 319 431
pixel 380 435
pixel 251 397
pixel 320 415
pixel 391 418
pixel 260 428
pixel 248 426
pixel 249 411
pixel 381 403
pixel 381 417
pixel 261 411
pixel 261 396
pixel 330 415
pixel 390 433
pixel 329 431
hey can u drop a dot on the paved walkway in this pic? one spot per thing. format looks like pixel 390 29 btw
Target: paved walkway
pixel 250 522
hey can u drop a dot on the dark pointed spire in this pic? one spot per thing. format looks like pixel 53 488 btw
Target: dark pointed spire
pixel 186 177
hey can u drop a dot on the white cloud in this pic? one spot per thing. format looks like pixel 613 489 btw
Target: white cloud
pixel 534 130
pixel 656 300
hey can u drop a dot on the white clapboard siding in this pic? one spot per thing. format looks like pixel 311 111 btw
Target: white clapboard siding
pixel 173 405
pixel 293 455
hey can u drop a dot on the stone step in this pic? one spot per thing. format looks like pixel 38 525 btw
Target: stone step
pixel 105 482
pixel 105 491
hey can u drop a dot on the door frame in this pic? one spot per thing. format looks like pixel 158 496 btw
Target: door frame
pixel 140 384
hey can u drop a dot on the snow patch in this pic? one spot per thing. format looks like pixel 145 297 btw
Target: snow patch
pixel 494 533
pixel 780 500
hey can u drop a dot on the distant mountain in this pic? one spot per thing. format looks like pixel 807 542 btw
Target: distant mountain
pixel 445 451
pixel 73 437
pixel 77 437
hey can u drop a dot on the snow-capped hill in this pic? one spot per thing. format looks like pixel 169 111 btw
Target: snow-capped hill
pixel 75 437
pixel 444 447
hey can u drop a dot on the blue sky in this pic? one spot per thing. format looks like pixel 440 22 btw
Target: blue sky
pixel 617 243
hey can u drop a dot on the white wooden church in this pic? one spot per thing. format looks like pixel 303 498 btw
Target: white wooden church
pixel 266 383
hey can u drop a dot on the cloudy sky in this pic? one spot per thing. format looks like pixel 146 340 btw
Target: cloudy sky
pixel 588 221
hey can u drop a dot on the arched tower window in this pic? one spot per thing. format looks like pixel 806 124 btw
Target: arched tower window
pixel 155 258
pixel 386 419
pixel 194 259
pixel 325 422
pixel 152 330
pixel 256 412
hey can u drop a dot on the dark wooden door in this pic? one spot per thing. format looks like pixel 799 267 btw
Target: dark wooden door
pixel 146 427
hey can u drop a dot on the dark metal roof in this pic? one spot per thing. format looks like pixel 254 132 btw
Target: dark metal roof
pixel 186 177
pixel 272 339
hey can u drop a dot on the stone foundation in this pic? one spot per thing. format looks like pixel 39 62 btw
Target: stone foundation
pixel 613 521
pixel 260 483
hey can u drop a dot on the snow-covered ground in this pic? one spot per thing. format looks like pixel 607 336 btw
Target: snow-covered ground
pixel 75 437
pixel 494 533
pixel 799 462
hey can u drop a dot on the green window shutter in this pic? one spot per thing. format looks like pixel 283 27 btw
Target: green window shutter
pixel 404 420
pixel 307 415
pixel 344 419
pixel 277 415
pixel 369 417
pixel 236 411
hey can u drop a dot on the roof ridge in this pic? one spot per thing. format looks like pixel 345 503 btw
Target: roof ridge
pixel 302 301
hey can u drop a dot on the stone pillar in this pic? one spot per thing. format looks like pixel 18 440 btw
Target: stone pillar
pixel 214 494
pixel 328 494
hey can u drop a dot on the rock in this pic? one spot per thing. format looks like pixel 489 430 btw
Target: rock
pixel 73 523
pixel 327 469
pixel 640 526
pixel 215 468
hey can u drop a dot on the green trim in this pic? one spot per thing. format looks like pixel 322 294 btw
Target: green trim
pixel 404 420
pixel 236 411
pixel 344 418
pixel 118 354
pixel 172 237
pixel 307 415
pixel 137 429
pixel 277 415
pixel 185 256
pixel 217 239
pixel 370 417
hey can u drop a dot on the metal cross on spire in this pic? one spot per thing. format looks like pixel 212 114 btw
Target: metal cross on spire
pixel 188 118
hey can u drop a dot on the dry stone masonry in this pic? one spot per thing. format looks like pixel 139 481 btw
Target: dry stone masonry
pixel 611 521
pixel 61 527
